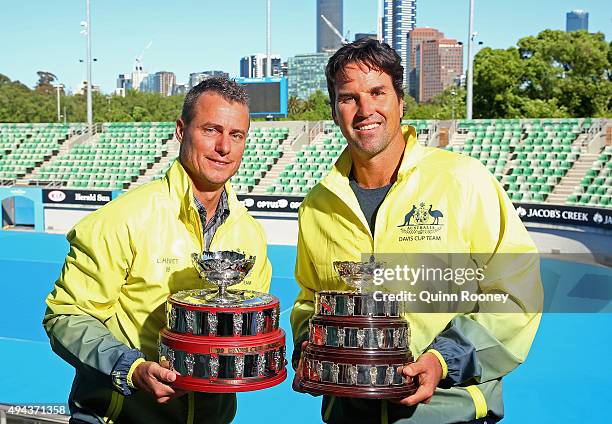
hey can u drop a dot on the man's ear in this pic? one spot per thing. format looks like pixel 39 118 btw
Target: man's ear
pixel 179 130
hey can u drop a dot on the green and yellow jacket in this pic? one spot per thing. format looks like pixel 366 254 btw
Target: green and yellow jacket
pixel 474 218
pixel 124 261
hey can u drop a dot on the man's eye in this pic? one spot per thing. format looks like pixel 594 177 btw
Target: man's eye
pixel 210 130
pixel 377 93
pixel 238 136
pixel 345 100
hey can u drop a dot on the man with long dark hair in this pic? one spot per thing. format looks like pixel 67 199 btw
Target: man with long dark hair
pixel 382 181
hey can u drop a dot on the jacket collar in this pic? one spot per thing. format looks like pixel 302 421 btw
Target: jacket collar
pixel 180 188
pixel 337 180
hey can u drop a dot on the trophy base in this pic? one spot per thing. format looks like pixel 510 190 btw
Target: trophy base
pixel 318 388
pixel 225 364
pixel 228 386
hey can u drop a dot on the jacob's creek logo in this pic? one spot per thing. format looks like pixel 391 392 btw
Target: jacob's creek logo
pixel 422 223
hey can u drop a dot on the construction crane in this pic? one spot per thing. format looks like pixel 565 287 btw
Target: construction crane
pixel 138 72
pixel 343 40
pixel 138 59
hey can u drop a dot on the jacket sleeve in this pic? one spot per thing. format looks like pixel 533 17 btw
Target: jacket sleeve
pixel 500 243
pixel 84 298
pixel 308 282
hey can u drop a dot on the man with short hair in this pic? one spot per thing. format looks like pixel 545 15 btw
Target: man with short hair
pixel 108 305
pixel 382 181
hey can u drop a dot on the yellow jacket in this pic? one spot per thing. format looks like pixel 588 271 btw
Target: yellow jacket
pixel 124 261
pixel 476 218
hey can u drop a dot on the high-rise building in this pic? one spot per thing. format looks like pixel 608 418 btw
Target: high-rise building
pixel 254 66
pixel 197 77
pixel 179 89
pixel 438 65
pixel 147 84
pixel 138 75
pixel 399 17
pixel 164 82
pixel 124 83
pixel 414 39
pixel 327 39
pixel 361 35
pixel 576 20
pixel 307 74
pixel 159 82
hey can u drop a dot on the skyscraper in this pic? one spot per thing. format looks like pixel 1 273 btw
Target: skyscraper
pixel 197 77
pixel 164 82
pixel 254 66
pixel 327 39
pixel 415 38
pixel 307 74
pixel 438 65
pixel 576 19
pixel 399 17
pixel 160 82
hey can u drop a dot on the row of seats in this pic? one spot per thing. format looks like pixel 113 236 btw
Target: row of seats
pixel 595 188
pixel 23 147
pixel 117 157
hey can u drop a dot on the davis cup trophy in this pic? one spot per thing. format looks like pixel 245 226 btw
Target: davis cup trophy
pixel 223 340
pixel 356 342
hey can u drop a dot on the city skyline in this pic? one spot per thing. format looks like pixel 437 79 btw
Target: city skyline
pixel 49 39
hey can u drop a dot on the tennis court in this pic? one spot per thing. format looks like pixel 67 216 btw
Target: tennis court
pixel 564 379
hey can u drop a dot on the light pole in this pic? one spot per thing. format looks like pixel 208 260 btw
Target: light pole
pixel 58 87
pixel 268 40
pixel 470 67
pixel 87 31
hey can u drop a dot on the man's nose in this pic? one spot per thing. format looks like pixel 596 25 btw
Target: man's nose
pixel 365 106
pixel 224 144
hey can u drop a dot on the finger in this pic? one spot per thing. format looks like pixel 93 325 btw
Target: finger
pixel 424 392
pixel 163 374
pixel 161 390
pixel 164 399
pixel 413 369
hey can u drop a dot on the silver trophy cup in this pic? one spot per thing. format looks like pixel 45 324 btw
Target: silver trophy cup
pixel 359 276
pixel 223 269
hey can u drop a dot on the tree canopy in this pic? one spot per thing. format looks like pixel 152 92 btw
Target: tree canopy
pixel 554 74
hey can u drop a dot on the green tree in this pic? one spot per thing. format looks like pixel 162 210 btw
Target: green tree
pixel 448 104
pixel 315 108
pixel 553 74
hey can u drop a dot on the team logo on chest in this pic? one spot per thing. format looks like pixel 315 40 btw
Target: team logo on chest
pixel 422 223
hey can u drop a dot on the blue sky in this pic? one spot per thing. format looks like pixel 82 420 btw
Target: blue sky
pixel 189 35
